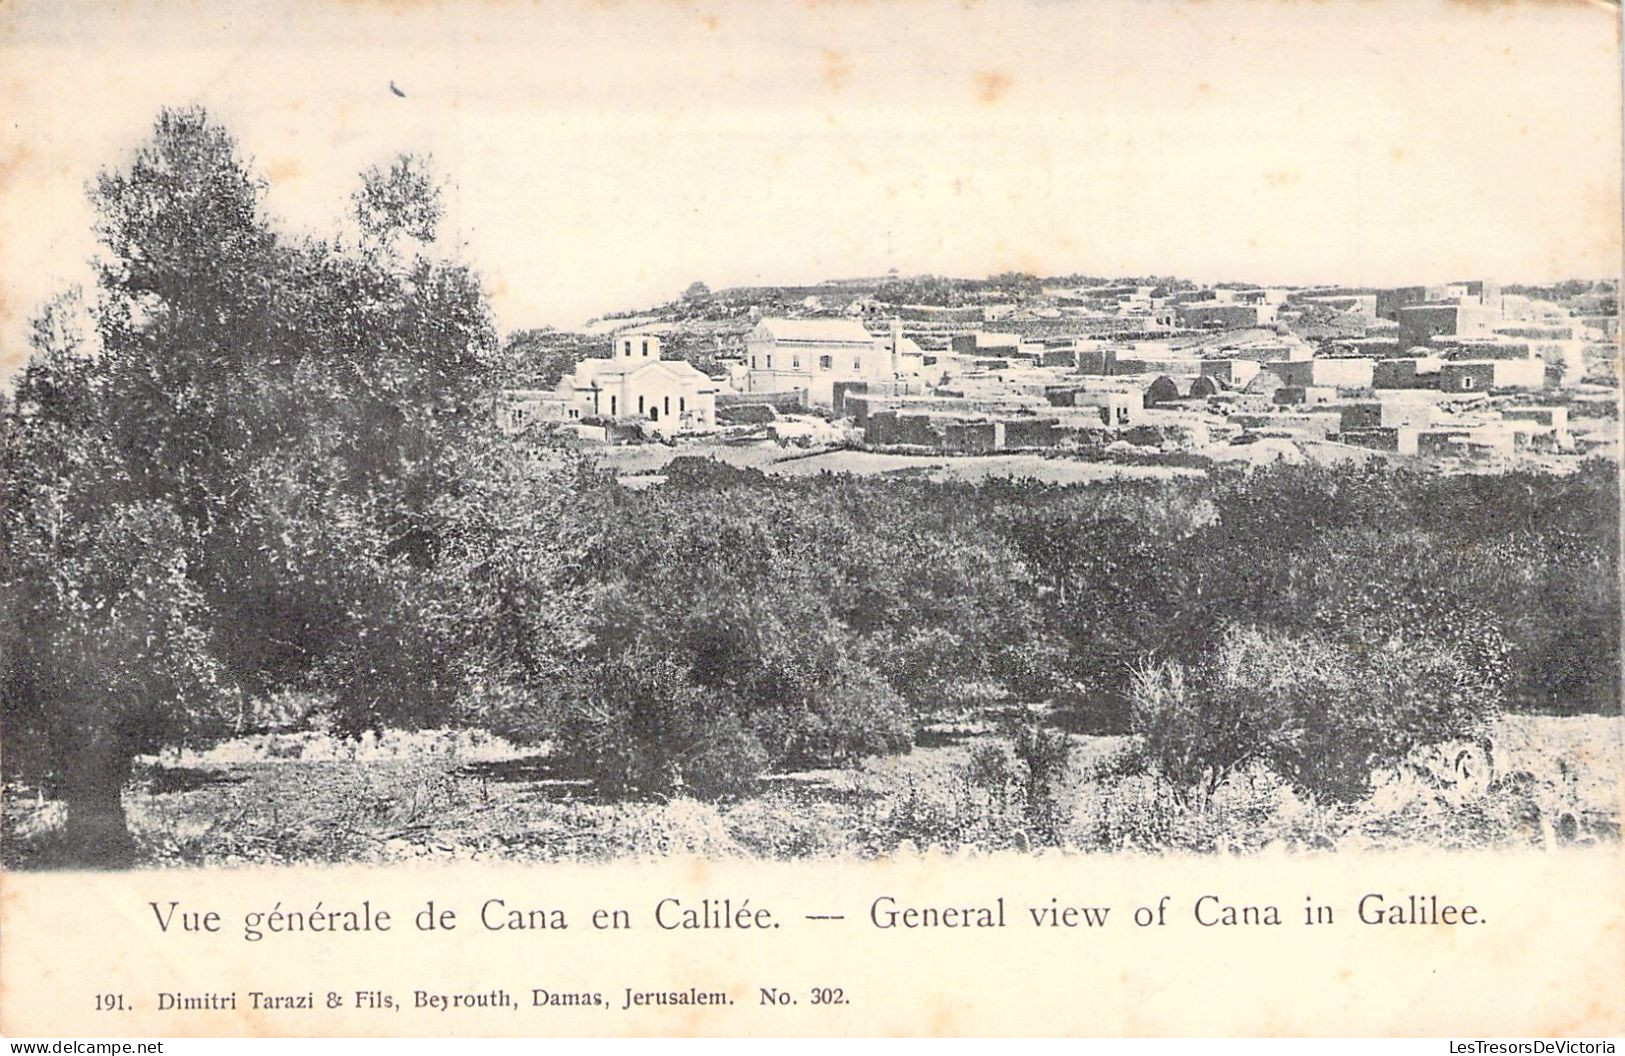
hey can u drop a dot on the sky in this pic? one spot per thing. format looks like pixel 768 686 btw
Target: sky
pixel 603 155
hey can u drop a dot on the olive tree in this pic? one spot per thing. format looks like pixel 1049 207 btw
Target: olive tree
pixel 244 472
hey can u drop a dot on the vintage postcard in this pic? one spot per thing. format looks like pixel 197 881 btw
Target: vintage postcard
pixel 889 518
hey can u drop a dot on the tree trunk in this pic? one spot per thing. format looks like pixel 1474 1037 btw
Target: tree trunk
pixel 96 834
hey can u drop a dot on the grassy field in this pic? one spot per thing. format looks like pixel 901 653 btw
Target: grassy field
pixel 642 464
pixel 973 468
pixel 305 797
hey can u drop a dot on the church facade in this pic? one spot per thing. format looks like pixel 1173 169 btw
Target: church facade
pixel 634 383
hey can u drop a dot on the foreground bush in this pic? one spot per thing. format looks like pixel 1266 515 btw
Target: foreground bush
pixel 638 726
pixel 640 721
pixel 1323 715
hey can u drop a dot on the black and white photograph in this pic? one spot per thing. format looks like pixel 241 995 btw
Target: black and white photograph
pixel 478 434
pixel 312 555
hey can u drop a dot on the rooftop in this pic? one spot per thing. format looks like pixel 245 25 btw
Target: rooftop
pixel 847 330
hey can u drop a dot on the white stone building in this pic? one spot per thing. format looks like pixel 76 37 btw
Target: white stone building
pixel 635 383
pixel 784 355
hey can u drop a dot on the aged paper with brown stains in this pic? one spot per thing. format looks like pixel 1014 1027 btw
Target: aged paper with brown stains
pixel 746 166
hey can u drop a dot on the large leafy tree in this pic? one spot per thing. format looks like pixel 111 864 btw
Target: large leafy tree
pixel 253 468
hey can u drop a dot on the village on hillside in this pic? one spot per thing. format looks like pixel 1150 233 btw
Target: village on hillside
pixel 1140 372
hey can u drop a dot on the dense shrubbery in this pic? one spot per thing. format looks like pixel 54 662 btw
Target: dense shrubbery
pixel 1381 609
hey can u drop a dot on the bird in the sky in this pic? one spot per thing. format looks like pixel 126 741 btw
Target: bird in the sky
pixel 396 90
